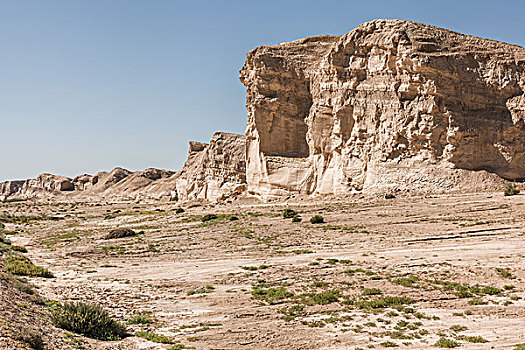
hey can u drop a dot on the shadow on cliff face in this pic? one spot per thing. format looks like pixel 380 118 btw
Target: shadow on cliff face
pixel 490 133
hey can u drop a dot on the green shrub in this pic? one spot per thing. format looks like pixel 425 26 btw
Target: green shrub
pixel 446 343
pixel 491 290
pixel 511 189
pixel 209 217
pixel 18 248
pixel 140 319
pixel 297 218
pixel 120 233
pixel 289 213
pixel 157 338
pixel 24 288
pixel 475 339
pixel 318 219
pixel 407 281
pixel 271 295
pixel 384 302
pixel 89 320
pixel 22 266
pixel 371 291
pixel 505 273
pixel 179 211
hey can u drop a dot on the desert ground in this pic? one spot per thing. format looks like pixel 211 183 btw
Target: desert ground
pixel 406 272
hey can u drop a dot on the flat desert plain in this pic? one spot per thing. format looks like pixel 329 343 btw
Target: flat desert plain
pixel 412 273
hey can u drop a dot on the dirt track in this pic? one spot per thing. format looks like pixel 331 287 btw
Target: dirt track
pixel 264 282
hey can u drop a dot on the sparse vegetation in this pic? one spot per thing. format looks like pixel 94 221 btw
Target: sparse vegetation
pixel 22 266
pixel 271 295
pixel 446 343
pixel 89 320
pixel 317 219
pixel 384 302
pixel 156 338
pixel 32 337
pixel 511 189
pixel 504 272
pixel 371 291
pixel 120 233
pixel 289 213
pixel 209 217
pixel 203 290
pixel 140 319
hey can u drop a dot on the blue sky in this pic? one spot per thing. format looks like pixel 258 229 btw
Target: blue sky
pixel 89 85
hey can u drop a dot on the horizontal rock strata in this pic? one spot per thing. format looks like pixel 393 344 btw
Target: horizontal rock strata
pixel 391 105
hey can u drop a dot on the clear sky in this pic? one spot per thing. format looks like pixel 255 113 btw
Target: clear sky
pixel 94 84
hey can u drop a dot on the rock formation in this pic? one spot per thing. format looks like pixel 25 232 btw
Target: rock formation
pixel 213 171
pixel 390 105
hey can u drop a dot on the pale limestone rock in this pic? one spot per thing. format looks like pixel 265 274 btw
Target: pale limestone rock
pixel 390 105
pixel 213 171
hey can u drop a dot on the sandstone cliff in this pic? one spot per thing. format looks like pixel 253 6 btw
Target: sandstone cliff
pixel 213 171
pixel 390 105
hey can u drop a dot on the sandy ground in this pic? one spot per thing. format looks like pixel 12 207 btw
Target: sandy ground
pixel 454 265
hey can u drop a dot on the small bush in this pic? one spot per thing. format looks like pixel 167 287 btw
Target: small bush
pixel 139 319
pixel 24 288
pixel 446 343
pixel 18 248
pixel 22 266
pixel 209 217
pixel 289 213
pixel 89 320
pixel 156 338
pixel 271 295
pixel 297 218
pixel 318 219
pixel 31 337
pixel 388 344
pixel 120 233
pixel 179 211
pixel 234 218
pixel 371 291
pixel 491 290
pixel 503 272
pixel 458 328
pixel 511 190
pixel 384 302
pixel 476 339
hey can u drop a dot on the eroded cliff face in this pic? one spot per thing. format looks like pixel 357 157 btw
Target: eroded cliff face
pixel 390 105
pixel 214 171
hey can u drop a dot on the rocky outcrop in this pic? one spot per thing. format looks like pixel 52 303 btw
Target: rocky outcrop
pixel 390 105
pixel 214 171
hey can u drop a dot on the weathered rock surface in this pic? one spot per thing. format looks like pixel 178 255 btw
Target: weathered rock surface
pixel 213 171
pixel 390 105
